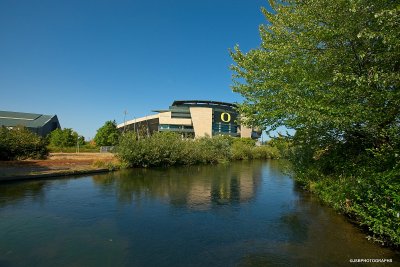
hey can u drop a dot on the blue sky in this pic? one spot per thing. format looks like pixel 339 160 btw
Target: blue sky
pixel 88 61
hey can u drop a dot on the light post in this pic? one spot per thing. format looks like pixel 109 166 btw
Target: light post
pixel 125 112
pixel 77 145
pixel 134 127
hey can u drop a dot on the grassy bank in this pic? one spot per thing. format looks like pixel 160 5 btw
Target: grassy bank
pixel 84 149
pixel 368 193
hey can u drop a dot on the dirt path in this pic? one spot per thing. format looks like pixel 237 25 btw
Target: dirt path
pixel 57 163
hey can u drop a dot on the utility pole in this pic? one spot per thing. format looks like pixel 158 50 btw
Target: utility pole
pixel 77 145
pixel 148 130
pixel 125 112
pixel 134 128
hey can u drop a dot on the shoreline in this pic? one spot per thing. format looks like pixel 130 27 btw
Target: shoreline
pixel 15 178
pixel 57 165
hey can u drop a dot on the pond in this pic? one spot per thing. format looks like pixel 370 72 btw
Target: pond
pixel 239 214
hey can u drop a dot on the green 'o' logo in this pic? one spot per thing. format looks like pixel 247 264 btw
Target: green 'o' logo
pixel 225 117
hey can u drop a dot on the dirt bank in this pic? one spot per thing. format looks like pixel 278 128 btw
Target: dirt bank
pixel 56 164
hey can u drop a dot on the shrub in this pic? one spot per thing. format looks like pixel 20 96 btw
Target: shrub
pixel 265 152
pixel 164 149
pixel 20 143
pixel 242 148
pixel 365 185
pixel 191 153
pixel 214 150
pixel 167 149
pixel 160 149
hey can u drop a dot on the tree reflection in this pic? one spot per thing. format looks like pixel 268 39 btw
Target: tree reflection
pixel 11 193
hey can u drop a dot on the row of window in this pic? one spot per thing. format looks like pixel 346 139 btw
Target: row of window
pixel 216 127
pixel 171 126
pixel 224 127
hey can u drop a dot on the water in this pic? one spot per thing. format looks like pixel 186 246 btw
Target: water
pixel 240 214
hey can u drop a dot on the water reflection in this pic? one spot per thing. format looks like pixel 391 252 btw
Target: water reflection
pixel 12 193
pixel 244 213
pixel 195 187
pixel 315 235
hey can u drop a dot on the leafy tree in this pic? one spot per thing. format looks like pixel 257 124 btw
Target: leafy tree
pixel 108 134
pixel 329 69
pixel 64 138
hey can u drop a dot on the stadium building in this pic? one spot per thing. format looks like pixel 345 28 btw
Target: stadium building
pixel 193 118
pixel 36 123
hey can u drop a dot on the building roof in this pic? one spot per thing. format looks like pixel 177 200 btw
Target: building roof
pixel 149 117
pixel 30 120
pixel 202 102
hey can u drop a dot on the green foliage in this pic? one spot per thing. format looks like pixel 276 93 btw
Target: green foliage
pixel 65 138
pixel 331 71
pixel 214 150
pixel 242 148
pixel 376 200
pixel 161 149
pixel 281 145
pixel 110 165
pixel 167 149
pixel 108 134
pixel 245 148
pixel 370 198
pixel 266 152
pixel 20 143
pixel 331 65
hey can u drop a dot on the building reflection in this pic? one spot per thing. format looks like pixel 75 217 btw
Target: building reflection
pixel 234 188
pixel 195 187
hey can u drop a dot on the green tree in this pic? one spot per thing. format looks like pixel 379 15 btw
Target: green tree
pixel 108 134
pixel 327 64
pixel 329 69
pixel 64 138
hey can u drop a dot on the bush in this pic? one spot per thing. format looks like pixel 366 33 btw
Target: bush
pixel 363 184
pixel 167 149
pixel 371 199
pixel 20 143
pixel 164 149
pixel 160 149
pixel 242 148
pixel 245 148
pixel 265 152
pixel 214 150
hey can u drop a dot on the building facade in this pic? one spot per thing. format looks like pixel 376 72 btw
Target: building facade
pixel 193 118
pixel 37 123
